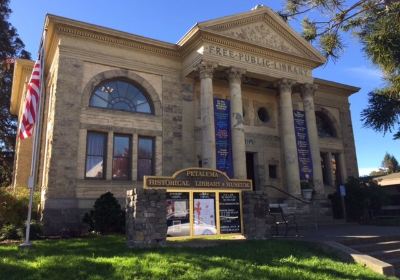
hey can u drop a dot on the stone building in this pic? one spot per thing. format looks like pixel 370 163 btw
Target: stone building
pixel 120 106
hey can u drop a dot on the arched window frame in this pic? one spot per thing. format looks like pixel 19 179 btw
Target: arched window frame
pixel 328 120
pixel 122 74
pixel 140 89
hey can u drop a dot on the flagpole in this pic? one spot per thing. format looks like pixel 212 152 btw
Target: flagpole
pixel 36 141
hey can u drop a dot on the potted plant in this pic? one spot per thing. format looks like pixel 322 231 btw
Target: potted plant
pixel 307 189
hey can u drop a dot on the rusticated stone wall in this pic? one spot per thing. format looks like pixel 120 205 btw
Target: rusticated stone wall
pixel 146 214
pixel 255 206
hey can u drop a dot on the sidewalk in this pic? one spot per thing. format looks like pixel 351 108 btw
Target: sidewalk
pixel 346 231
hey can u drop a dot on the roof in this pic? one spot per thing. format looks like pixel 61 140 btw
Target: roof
pixel 388 180
pixel 216 27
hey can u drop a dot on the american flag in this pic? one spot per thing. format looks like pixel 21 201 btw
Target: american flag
pixel 30 113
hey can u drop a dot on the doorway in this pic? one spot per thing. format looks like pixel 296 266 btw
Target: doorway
pixel 250 168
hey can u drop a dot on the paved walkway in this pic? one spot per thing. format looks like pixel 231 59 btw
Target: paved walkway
pixel 345 231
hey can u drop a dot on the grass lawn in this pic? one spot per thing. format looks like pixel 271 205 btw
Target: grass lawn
pixel 109 258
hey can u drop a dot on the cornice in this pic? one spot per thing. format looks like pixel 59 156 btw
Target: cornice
pixel 212 37
pixel 275 26
pixel 113 40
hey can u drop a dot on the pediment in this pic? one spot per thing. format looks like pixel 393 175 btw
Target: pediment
pixel 263 28
pixel 262 34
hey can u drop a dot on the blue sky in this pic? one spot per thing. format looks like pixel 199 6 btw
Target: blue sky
pixel 169 20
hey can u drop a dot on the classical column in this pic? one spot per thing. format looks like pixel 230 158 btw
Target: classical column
pixel 307 93
pixel 206 70
pixel 288 136
pixel 237 129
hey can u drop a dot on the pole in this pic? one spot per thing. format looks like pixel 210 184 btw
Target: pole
pixel 36 144
pixel 342 191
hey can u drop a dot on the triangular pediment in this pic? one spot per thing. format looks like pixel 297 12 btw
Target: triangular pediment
pixel 260 33
pixel 263 28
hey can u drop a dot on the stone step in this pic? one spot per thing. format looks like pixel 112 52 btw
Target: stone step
pixel 371 247
pixel 385 254
pixel 369 240
pixel 395 262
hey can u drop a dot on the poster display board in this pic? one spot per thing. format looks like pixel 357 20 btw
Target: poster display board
pixel 229 213
pixel 178 220
pixel 204 213
pixel 303 146
pixel 223 141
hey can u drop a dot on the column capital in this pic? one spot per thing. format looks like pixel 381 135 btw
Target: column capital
pixel 206 69
pixel 285 84
pixel 235 73
pixel 308 89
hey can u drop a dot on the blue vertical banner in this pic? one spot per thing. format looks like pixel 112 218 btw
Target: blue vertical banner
pixel 223 141
pixel 303 146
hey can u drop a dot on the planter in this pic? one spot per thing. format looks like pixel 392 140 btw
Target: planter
pixel 307 193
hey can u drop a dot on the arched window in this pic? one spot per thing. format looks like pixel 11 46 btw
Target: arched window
pixel 120 95
pixel 324 125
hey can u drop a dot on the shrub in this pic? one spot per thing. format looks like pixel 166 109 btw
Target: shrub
pixel 36 231
pixel 106 216
pixel 363 198
pixel 13 213
pixel 13 208
pixel 11 232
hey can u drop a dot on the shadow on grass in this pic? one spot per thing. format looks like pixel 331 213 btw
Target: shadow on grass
pixel 109 258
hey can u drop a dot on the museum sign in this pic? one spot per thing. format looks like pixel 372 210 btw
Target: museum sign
pixel 197 178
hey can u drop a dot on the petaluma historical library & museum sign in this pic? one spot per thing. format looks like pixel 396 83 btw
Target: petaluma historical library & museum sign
pixel 201 202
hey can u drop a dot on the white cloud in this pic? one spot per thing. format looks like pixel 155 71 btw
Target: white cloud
pixel 365 71
pixel 364 171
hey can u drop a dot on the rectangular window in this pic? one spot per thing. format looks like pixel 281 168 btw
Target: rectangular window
pixel 145 157
pixel 122 156
pixel 96 155
pixel 272 170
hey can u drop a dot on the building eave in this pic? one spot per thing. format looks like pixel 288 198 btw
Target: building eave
pixel 109 35
pixel 22 68
pixel 347 88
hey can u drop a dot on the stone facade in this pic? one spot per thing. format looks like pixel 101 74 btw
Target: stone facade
pixel 255 221
pixel 225 58
pixel 145 218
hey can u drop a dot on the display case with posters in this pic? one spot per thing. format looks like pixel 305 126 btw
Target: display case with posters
pixel 229 213
pixel 204 220
pixel 178 219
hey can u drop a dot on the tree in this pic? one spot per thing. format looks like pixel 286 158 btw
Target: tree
pixel 11 46
pixel 390 163
pixel 377 25
pixel 380 172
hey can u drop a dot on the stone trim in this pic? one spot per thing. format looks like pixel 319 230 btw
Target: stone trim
pixel 211 37
pixel 113 40
pixel 125 74
pixel 120 129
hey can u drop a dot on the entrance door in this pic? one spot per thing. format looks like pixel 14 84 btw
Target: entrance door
pixel 250 168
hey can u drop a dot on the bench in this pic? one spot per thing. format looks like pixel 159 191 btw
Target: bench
pixel 278 219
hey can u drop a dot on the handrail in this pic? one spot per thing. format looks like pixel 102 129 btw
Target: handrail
pixel 288 194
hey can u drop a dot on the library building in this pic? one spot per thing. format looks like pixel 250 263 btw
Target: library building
pixel 198 137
